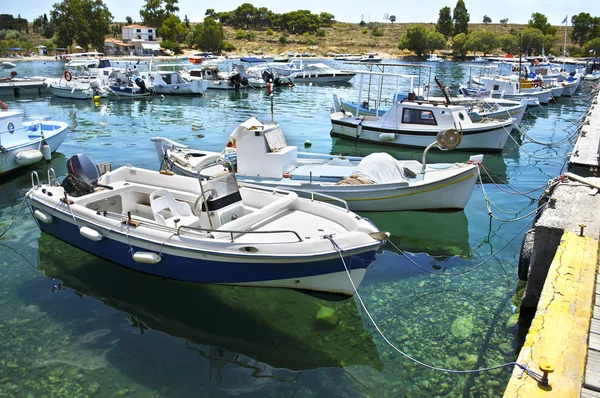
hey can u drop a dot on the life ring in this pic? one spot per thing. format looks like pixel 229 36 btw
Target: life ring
pixel 536 61
pixel 68 76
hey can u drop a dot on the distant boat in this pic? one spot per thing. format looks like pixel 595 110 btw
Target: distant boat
pixel 7 65
pixel 479 60
pixel 434 58
pixel 370 58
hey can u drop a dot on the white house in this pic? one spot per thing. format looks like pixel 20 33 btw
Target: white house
pixel 143 39
pixel 138 32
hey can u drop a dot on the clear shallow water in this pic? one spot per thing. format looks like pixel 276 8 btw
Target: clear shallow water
pixel 74 325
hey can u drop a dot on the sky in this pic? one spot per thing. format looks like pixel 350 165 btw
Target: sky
pixel 517 11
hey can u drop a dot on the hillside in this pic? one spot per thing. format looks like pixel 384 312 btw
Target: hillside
pixel 349 38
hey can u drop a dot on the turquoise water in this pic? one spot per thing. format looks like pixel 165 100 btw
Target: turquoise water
pixel 75 325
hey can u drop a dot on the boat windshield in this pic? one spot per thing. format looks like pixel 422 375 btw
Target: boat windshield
pixel 223 185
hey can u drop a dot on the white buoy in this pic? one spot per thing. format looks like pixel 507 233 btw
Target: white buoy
pixel 90 233
pixel 46 152
pixel 146 257
pixel 162 97
pixel 43 217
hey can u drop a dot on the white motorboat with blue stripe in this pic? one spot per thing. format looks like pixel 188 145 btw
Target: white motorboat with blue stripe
pixel 206 231
pixel 25 143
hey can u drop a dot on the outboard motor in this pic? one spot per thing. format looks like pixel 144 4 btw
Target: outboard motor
pixel 267 76
pixel 235 80
pixel 82 176
pixel 141 84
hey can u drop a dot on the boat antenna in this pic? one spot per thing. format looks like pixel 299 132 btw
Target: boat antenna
pixel 443 88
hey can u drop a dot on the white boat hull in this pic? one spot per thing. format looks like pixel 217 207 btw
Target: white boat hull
pixel 192 88
pixel 54 133
pixel 491 139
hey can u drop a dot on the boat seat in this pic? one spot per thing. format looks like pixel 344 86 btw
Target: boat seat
pixel 181 212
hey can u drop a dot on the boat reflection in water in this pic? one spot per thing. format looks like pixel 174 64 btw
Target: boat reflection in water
pixel 13 186
pixel 276 332
pixel 435 233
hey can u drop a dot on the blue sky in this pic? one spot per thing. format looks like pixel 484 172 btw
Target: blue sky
pixel 517 11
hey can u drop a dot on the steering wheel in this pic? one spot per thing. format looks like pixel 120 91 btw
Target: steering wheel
pixel 208 194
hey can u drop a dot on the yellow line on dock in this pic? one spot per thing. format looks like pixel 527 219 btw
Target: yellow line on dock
pixel 559 332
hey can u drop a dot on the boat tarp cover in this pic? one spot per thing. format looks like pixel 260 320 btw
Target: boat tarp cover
pixel 380 168
pixel 250 124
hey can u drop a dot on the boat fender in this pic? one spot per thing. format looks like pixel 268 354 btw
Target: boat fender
pixel 90 233
pixel 358 130
pixel 146 257
pixel 46 151
pixel 25 158
pixel 43 217
pixel 387 137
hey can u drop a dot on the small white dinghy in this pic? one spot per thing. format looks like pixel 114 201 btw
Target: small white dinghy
pixel 377 182
pixel 210 232
pixel 26 143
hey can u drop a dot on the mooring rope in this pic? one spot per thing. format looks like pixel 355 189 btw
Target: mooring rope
pixel 536 376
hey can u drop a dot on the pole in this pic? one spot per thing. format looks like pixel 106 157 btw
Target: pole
pixel 565 43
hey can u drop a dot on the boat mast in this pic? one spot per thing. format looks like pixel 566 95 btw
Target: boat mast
pixel 565 42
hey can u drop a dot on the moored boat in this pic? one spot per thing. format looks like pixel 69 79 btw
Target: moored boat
pixel 212 231
pixel 377 182
pixel 26 143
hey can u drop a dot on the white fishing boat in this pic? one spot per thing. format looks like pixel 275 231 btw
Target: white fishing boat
pixel 511 87
pixel 212 231
pixel 7 65
pixel 478 108
pixel 25 143
pixel 415 124
pixel 172 82
pixel 316 73
pixel 434 58
pixel 123 84
pixel 84 87
pixel 479 60
pixel 377 182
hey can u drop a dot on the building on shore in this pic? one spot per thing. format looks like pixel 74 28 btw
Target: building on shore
pixel 136 40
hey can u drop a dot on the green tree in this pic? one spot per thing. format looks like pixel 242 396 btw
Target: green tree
pixel 532 40
pixel 98 23
pixel 240 34
pixel 419 39
pixel 459 45
pixel 209 36
pixel 152 13
pixel 171 6
pixel 326 18
pixel 186 21
pixel 392 18
pixel 444 23
pixel 508 43
pixel 129 20
pixel 504 21
pixel 486 19
pixel 585 27
pixel 172 29
pixel 592 47
pixel 482 40
pixel 68 17
pixel 243 15
pixel 461 17
pixel 540 22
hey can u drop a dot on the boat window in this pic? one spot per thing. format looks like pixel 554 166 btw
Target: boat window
pixel 11 127
pixel 418 116
pixel 496 87
pixel 461 116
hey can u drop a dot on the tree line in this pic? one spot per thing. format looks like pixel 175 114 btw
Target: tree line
pixel 88 22
pixel 539 37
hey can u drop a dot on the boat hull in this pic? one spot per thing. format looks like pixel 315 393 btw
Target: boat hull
pixel 54 133
pixel 70 93
pixel 306 77
pixel 316 272
pixel 489 139
pixel 192 88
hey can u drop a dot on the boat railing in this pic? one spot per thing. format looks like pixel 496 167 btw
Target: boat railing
pixel 184 229
pixel 35 178
pixel 52 180
pixel 281 189
pixel 232 233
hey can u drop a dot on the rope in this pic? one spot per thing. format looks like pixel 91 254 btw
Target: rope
pixel 13 219
pixel 525 368
pixel 515 192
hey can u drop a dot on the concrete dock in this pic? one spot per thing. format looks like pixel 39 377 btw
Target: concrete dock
pixel 564 336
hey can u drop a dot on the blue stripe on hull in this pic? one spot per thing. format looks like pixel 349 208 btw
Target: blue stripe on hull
pixel 197 270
